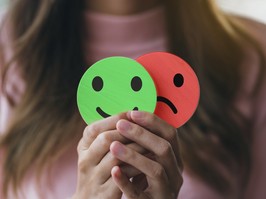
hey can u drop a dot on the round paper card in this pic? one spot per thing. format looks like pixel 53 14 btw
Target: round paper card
pixel 177 86
pixel 114 85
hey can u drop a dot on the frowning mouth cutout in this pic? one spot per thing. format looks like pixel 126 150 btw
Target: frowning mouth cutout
pixel 177 86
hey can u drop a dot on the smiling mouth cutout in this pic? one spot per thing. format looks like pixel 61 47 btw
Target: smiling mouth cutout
pixel 167 102
pixel 105 115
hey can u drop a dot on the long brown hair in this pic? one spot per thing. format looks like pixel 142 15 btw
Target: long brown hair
pixel 216 142
pixel 46 38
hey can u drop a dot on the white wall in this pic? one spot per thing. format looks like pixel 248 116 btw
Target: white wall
pixel 2 3
pixel 255 9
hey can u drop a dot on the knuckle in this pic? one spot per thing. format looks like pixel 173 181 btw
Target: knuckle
pixel 165 149
pixel 79 147
pixel 151 118
pixel 137 131
pixel 91 131
pixel 105 138
pixel 158 171
pixel 147 118
pixel 121 116
pixel 137 148
pixel 82 146
pixel 130 154
pixel 82 165
pixel 171 134
pixel 113 160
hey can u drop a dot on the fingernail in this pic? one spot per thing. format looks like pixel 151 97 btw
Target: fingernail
pixel 137 114
pixel 123 125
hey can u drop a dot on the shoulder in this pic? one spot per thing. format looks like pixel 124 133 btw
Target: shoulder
pixel 253 66
pixel 254 60
pixel 257 59
pixel 256 29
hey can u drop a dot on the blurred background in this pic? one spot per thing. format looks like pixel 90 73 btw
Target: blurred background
pixel 2 3
pixel 255 9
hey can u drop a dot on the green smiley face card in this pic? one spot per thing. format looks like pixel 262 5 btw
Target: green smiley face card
pixel 114 85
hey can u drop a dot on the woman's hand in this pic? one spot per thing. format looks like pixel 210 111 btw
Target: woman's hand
pixel 95 160
pixel 162 172
pixel 95 163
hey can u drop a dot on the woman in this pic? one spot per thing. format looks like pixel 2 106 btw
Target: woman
pixel 48 44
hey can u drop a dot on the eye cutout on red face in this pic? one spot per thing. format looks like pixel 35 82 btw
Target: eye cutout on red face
pixel 177 85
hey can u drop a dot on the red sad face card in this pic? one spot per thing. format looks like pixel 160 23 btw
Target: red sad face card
pixel 177 86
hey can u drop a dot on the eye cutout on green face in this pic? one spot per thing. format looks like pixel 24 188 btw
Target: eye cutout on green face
pixel 114 85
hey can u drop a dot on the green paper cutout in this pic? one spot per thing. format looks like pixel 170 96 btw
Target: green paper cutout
pixel 114 85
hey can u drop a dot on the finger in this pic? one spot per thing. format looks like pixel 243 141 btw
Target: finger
pixel 152 123
pixel 124 184
pixel 91 158
pixel 100 146
pixel 156 125
pixel 104 167
pixel 94 129
pixel 110 187
pixel 129 171
pixel 157 145
pixel 154 171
